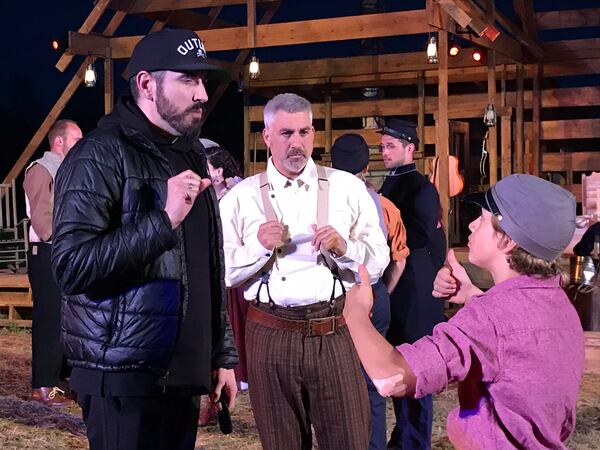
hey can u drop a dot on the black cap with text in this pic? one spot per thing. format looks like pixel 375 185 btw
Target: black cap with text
pixel 177 50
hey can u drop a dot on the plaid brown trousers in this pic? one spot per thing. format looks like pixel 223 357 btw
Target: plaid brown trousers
pixel 297 380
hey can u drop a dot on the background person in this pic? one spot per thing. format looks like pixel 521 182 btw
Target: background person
pixel 49 369
pixel 350 153
pixel 414 310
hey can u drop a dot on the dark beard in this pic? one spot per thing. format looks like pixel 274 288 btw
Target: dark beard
pixel 179 120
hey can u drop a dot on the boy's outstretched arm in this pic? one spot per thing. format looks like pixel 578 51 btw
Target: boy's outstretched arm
pixel 384 365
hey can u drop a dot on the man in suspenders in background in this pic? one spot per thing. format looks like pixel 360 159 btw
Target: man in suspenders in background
pixel 294 236
pixel 48 364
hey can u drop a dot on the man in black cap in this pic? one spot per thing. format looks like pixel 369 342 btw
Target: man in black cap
pixel 137 254
pixel 414 310
pixel 350 153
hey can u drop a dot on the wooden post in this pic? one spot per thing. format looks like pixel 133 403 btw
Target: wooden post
pixel 503 87
pixel 246 136
pixel 251 22
pixel 328 126
pixel 240 59
pixel 505 141
pixel 87 26
pixel 492 143
pixel 421 120
pixel 109 93
pixel 536 122
pixel 442 134
pixel 519 164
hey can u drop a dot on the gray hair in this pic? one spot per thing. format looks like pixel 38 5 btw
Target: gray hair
pixel 290 103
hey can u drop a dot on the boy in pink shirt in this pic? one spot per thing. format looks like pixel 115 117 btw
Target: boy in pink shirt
pixel 517 350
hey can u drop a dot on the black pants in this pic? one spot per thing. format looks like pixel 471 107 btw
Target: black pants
pixel 161 422
pixel 48 364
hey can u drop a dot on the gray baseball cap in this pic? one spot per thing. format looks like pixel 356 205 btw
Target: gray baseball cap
pixel 538 215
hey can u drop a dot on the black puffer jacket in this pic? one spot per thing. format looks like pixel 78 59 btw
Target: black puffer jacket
pixel 117 261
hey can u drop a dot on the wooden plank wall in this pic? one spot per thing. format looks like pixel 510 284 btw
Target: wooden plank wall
pixel 463 106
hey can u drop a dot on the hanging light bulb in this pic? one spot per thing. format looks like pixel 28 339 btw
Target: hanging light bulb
pixel 89 78
pixel 432 52
pixel 476 55
pixel 254 68
pixel 454 50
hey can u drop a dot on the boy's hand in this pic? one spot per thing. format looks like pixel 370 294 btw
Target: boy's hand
pixel 452 282
pixel 359 299
pixel 393 386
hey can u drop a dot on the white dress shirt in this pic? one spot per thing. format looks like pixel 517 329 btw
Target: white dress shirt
pixel 299 275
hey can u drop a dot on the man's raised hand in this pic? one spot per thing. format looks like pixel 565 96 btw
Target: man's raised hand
pixel 182 190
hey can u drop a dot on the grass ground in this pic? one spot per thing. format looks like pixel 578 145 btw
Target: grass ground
pixel 26 425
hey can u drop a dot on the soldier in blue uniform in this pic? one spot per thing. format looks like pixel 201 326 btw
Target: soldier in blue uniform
pixel 414 310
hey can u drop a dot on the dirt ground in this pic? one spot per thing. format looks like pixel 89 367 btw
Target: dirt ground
pixel 26 425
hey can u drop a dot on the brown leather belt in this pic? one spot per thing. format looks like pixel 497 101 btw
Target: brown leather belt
pixel 322 326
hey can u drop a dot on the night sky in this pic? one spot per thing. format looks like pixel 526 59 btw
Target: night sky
pixel 31 83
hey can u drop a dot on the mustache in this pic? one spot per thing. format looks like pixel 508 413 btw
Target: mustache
pixel 197 107
pixel 295 152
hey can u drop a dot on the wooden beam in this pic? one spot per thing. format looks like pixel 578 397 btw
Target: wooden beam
pixel 506 143
pixel 52 116
pixel 328 127
pixel 109 92
pixel 371 136
pixel 574 18
pixel 191 20
pixel 567 129
pixel 525 13
pixel 240 59
pixel 504 44
pixel 577 161
pixel 442 136
pixel 60 104
pixel 247 129
pixel 251 22
pixel 572 49
pixel 375 66
pixel 455 75
pixel 421 114
pixel 492 142
pixel 536 119
pixel 146 6
pixel 87 26
pixel 574 189
pixel 519 122
pixel 459 106
pixel 301 32
pixel 530 43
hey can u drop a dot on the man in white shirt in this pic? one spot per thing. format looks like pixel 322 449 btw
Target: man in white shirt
pixel 294 236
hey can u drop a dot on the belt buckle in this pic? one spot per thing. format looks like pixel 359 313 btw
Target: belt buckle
pixel 319 321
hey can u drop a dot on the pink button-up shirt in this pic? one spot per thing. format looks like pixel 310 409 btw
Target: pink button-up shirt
pixel 517 352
